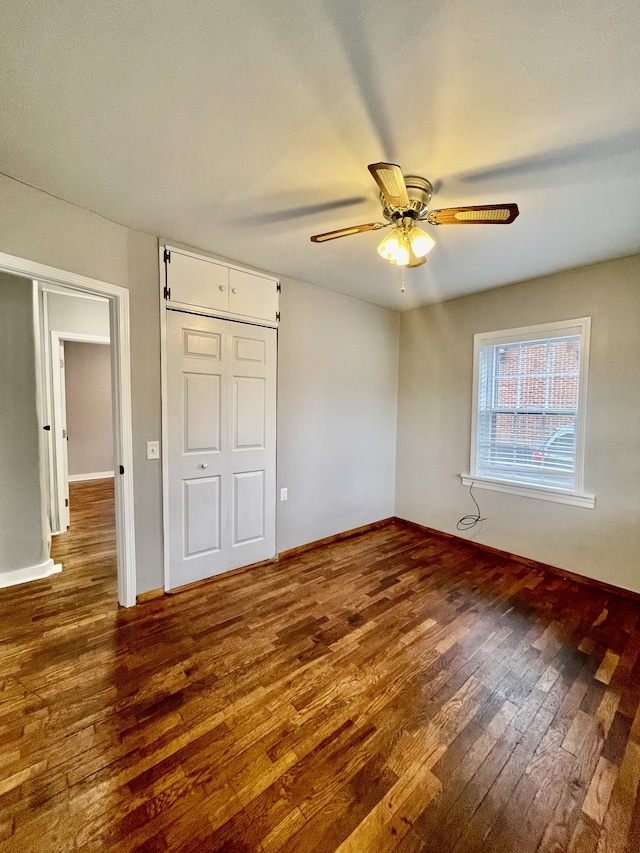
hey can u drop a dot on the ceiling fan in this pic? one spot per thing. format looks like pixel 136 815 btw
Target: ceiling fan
pixel 405 201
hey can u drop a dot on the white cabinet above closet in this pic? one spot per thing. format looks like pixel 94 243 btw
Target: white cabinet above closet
pixel 199 283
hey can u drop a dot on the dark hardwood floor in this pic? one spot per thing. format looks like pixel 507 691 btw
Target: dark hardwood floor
pixel 392 692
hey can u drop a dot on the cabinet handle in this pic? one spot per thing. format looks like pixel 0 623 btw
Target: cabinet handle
pixel 222 287
pixel 205 465
pixel 234 290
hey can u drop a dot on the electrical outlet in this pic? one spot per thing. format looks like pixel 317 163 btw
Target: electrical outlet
pixel 153 450
pixel 283 494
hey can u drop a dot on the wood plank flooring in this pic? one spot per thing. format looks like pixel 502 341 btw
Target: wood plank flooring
pixel 393 692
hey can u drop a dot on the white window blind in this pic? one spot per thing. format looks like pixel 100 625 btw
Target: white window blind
pixel 528 409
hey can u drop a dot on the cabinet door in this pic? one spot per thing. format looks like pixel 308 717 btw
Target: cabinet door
pixel 252 295
pixel 198 282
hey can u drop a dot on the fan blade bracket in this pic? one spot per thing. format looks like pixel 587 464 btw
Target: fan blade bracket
pixel 390 180
pixel 347 232
pixel 482 214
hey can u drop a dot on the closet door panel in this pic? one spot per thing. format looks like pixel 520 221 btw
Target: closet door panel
pixel 249 412
pixel 202 509
pixel 201 412
pixel 248 507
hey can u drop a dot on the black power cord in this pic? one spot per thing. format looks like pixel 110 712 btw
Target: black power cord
pixel 469 521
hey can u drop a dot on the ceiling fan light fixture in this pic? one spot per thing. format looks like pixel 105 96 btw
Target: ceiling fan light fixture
pixel 405 201
pixel 404 245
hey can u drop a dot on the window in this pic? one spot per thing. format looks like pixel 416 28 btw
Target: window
pixel 529 403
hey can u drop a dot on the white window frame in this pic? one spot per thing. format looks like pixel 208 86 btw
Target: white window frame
pixel 576 496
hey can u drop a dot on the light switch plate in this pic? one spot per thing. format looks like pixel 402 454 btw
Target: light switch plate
pixel 283 494
pixel 153 450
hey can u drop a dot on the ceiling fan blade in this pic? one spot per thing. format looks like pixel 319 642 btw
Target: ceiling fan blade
pixel 347 232
pixel 390 179
pixel 482 214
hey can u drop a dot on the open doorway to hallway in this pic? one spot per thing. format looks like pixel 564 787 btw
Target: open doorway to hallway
pixel 87 547
pixel 77 402
pixel 25 550
pixel 76 365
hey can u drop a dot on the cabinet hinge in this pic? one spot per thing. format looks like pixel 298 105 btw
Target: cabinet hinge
pixel 277 316
pixel 167 260
pixel 278 287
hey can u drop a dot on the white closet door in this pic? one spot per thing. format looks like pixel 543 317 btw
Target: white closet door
pixel 252 442
pixel 221 380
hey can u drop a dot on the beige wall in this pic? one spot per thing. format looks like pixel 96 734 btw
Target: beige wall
pixel 23 529
pixel 337 391
pixel 89 414
pixel 68 312
pixel 39 227
pixel 434 415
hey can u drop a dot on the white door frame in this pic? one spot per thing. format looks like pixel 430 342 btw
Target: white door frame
pixel 57 418
pixel 121 389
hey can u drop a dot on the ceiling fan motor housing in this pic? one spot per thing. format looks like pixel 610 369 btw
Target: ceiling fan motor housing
pixel 419 191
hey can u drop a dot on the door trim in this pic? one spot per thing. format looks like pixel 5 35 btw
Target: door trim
pixel 121 401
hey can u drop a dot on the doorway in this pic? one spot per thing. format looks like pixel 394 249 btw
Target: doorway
pixel 87 370
pixel 118 304
pixel 81 441
pixel 70 320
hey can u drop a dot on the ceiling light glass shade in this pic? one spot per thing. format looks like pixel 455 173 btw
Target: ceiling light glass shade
pixel 421 242
pixel 395 248
pixel 405 245
pixel 415 261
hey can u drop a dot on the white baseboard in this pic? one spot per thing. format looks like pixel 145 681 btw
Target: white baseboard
pixel 29 573
pixel 98 475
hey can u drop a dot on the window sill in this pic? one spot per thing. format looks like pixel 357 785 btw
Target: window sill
pixel 543 493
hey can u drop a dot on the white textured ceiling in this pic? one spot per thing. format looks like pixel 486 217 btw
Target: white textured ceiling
pixel 244 127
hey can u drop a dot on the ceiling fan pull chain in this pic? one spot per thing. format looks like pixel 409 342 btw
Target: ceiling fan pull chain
pixel 403 288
